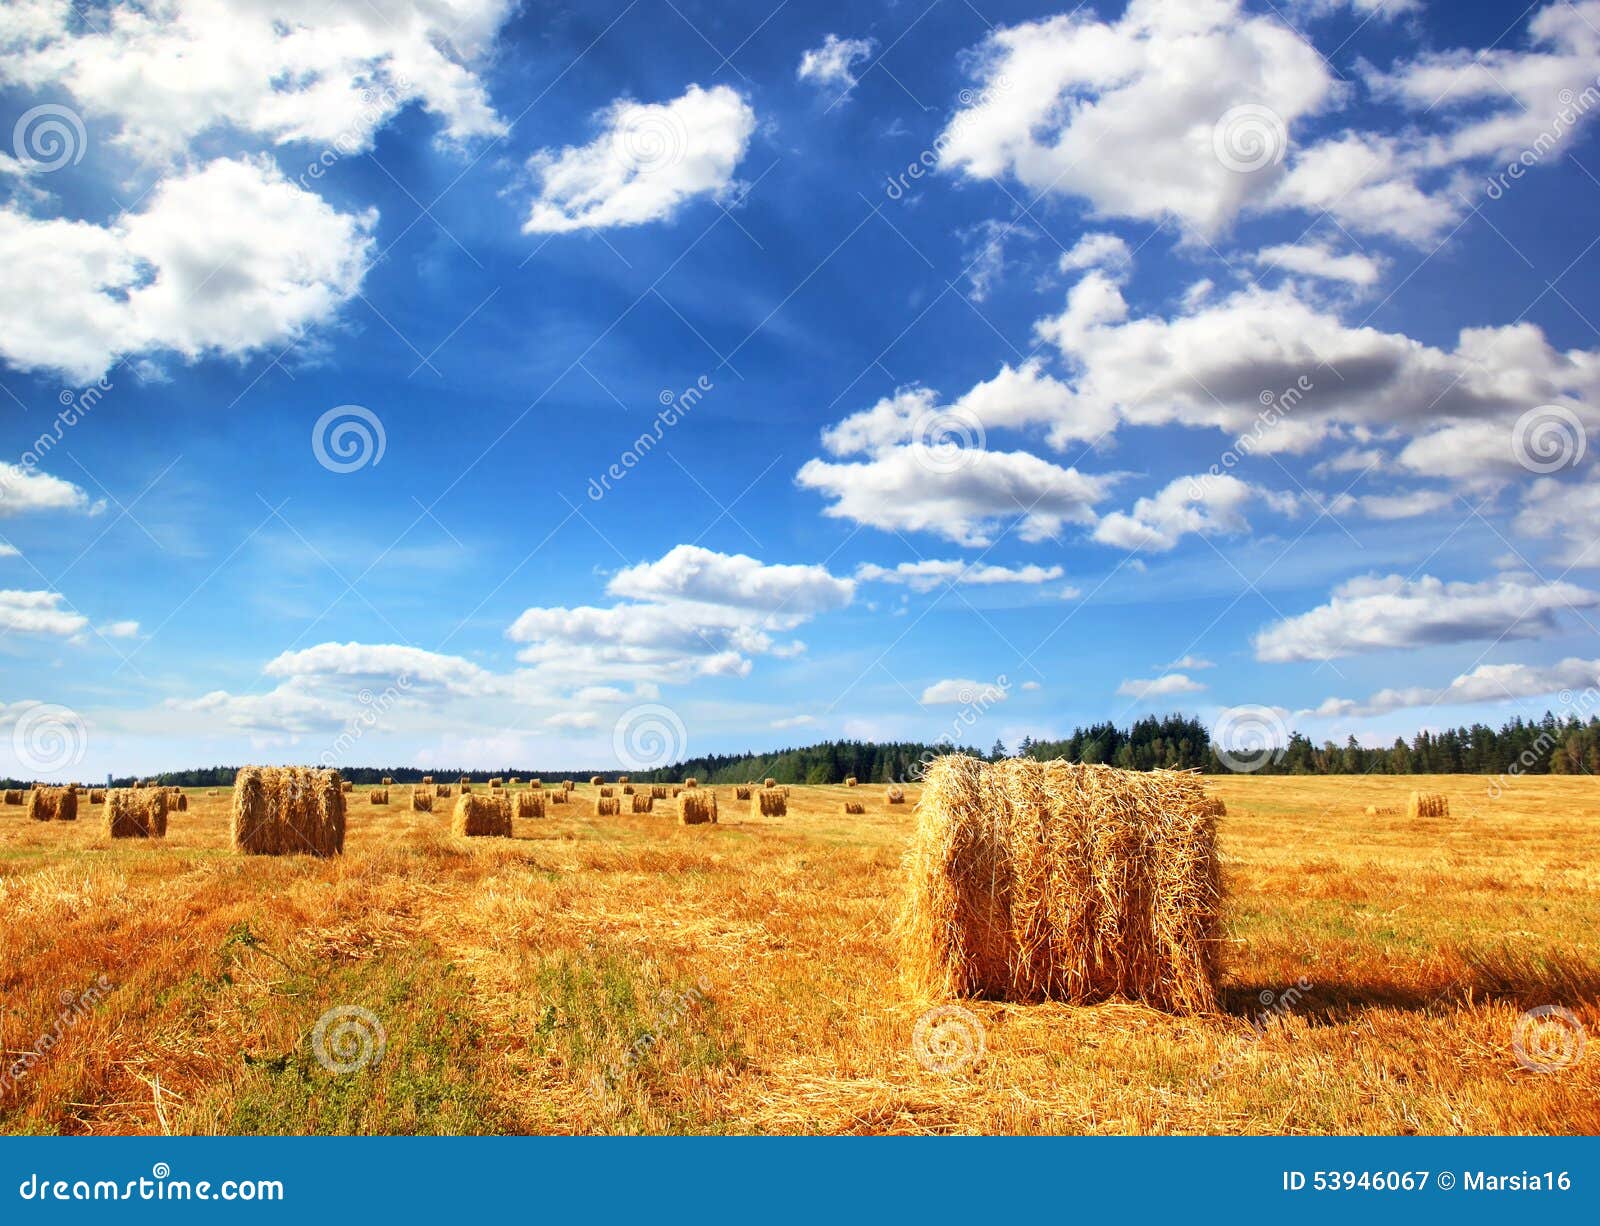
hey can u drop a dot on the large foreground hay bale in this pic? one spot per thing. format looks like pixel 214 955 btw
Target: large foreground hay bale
pixel 529 804
pixel 1428 804
pixel 288 810
pixel 421 799
pixel 643 803
pixel 1213 806
pixel 481 816
pixel 136 813
pixel 53 804
pixel 607 806
pixel 769 802
pixel 697 807
pixel 1045 880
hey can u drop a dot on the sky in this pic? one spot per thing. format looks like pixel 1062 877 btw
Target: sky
pixel 483 383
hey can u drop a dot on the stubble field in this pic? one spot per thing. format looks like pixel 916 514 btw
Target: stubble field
pixel 631 974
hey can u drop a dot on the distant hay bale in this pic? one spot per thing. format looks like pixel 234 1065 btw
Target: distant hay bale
pixel 1382 810
pixel 97 796
pixel 496 784
pixel 676 792
pixel 378 796
pixel 741 793
pixel 529 804
pixel 464 779
pixel 560 796
pixel 607 791
pixel 627 789
pixel 567 785
pixel 850 782
pixel 624 779
pixel 466 788
pixel 769 783
pixel 697 807
pixel 643 803
pixel 288 810
pixel 1037 880
pixel 854 807
pixel 513 781
pixel 659 791
pixel 535 784
pixel 428 780
pixel 444 791
pixel 594 780
pixel 211 791
pixel 135 813
pixel 690 782
pixel 894 794
pixel 421 799
pixel 1428 804
pixel 347 786
pixel 768 802
pixel 13 796
pixel 387 782
pixel 53 804
pixel 607 806
pixel 180 802
pixel 481 816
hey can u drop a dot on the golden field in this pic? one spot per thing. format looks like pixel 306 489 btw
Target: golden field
pixel 512 977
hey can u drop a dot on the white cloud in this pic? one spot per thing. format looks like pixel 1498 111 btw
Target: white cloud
pixel 1405 505
pixel 325 72
pixel 387 662
pixel 1566 511
pixel 795 721
pixel 8 550
pixel 1319 260
pixel 1122 114
pixel 37 613
pixel 1191 663
pixel 23 490
pixel 220 260
pixel 1379 614
pixel 696 574
pixel 120 630
pixel 1098 250
pixel 962 692
pixel 572 720
pixel 833 63
pixel 931 573
pixel 649 160
pixel 1160 687
pixel 1030 686
pixel 1200 504
pixel 1486 683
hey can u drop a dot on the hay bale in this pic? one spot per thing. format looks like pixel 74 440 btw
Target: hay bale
pixel 769 783
pixel 529 804
pixel 850 782
pixel 347 786
pixel 496 784
pixel 607 806
pixel 466 788
pixel 1382 810
pixel 288 810
pixel 97 796
pixel 854 807
pixel 659 791
pixel 768 802
pixel 53 804
pixel 594 781
pixel 690 782
pixel 624 779
pixel 567 785
pixel 13 796
pixel 1045 880
pixel 428 780
pixel 560 796
pixel 894 794
pixel 607 791
pixel 536 784
pixel 1428 804
pixel 643 803
pixel 627 789
pixel 741 793
pixel 421 799
pixel 180 802
pixel 387 782
pixel 676 792
pixel 513 781
pixel 697 807
pixel 444 791
pixel 481 816
pixel 136 813
pixel 211 791
pixel 378 796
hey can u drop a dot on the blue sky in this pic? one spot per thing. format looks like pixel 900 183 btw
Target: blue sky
pixel 1212 359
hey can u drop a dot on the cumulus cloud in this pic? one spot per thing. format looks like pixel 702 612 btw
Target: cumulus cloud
pixel 1386 613
pixel 24 489
pixel 962 692
pixel 1200 504
pixel 930 573
pixel 695 574
pixel 387 662
pixel 327 72
pixel 1486 683
pixel 1098 250
pixel 1319 260
pixel 1191 663
pixel 1160 687
pixel 647 162
pixel 832 65
pixel 219 260
pixel 38 613
pixel 795 721
pixel 1567 513
pixel 119 630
